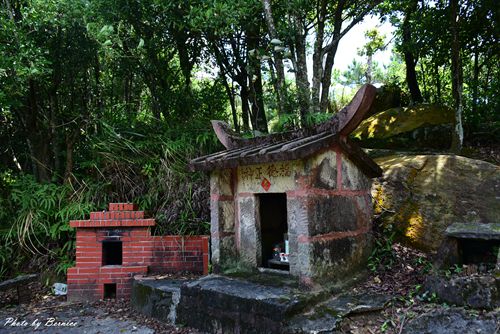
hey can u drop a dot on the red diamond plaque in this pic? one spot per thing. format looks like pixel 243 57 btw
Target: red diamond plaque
pixel 266 184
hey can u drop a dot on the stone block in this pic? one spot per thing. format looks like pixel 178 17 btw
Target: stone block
pixel 446 320
pixel 448 254
pixel 337 258
pixel 326 174
pixel 298 228
pixel 227 248
pixel 225 305
pixel 473 291
pixel 352 177
pixel 157 298
pixel 226 216
pixel 331 214
pixel 250 244
pixel 221 182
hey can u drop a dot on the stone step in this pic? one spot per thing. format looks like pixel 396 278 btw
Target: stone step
pixel 228 305
pixel 157 298
pixel 474 231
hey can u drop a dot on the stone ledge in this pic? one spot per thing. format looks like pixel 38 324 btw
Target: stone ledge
pixel 474 231
pixel 157 298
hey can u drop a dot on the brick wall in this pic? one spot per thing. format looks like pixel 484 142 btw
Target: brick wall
pixel 141 253
pixel 174 253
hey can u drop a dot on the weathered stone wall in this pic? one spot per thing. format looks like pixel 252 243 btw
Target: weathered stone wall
pixel 222 227
pixel 328 207
pixel 338 211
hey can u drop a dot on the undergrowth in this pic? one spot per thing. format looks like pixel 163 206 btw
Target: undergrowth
pixel 383 255
pixel 143 167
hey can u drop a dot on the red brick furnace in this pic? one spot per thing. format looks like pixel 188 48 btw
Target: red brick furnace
pixel 113 246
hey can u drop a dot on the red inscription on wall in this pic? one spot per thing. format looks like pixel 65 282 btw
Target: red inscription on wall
pixel 265 171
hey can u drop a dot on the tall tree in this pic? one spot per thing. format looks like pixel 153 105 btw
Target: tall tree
pixel 325 23
pixel 233 33
pixel 376 42
pixel 456 74
pixel 278 58
pixel 50 56
pixel 409 48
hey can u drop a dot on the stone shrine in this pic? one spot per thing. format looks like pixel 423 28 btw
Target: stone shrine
pixel 297 201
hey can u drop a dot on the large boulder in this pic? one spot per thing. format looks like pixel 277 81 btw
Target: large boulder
pixel 421 126
pixel 421 195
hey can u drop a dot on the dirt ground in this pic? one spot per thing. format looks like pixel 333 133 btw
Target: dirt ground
pixel 53 314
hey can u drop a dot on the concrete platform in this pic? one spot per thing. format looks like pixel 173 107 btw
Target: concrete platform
pixel 227 305
pixel 157 298
pixel 253 304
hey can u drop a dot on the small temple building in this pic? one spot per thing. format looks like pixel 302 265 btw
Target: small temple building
pixel 297 201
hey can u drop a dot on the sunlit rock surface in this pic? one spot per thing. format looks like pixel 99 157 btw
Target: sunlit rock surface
pixel 423 194
pixel 421 126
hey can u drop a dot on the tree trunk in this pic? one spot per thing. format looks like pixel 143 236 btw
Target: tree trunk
pixel 245 108
pixel 410 61
pixel 475 81
pixel 37 138
pixel 230 94
pixel 301 79
pixel 438 83
pixel 260 114
pixel 258 118
pixel 331 51
pixel 70 142
pixel 424 81
pixel 369 69
pixel 456 77
pixel 278 60
pixel 411 78
pixel 327 79
pixel 317 64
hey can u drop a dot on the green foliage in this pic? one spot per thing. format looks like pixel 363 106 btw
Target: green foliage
pixel 376 42
pixel 387 325
pixel 38 224
pixel 98 103
pixel 453 270
pixel 423 262
pixel 383 256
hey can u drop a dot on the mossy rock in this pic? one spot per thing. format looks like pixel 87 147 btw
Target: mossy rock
pixel 421 195
pixel 425 125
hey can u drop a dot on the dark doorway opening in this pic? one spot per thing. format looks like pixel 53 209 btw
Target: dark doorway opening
pixel 111 253
pixel 480 252
pixel 110 291
pixel 274 229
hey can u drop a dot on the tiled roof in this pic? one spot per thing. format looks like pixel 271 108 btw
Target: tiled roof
pixel 295 145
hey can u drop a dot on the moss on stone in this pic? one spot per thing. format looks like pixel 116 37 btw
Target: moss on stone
pixel 421 195
pixel 399 120
pixel 141 294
